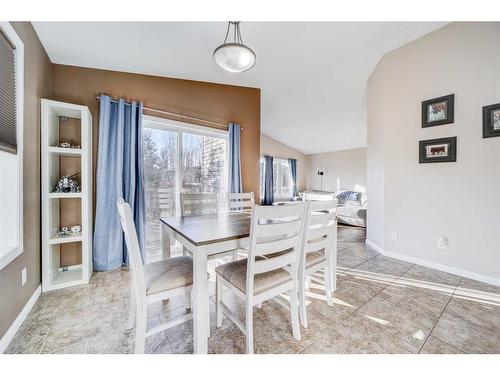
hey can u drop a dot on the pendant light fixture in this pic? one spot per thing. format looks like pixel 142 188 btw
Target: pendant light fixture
pixel 234 56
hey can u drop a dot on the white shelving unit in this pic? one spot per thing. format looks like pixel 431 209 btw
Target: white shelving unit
pixel 55 275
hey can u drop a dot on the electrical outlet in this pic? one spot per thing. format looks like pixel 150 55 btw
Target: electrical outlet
pixel 394 235
pixel 24 276
pixel 442 242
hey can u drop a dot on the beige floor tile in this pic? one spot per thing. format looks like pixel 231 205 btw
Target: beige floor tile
pixel 409 324
pixel 477 286
pixel 385 266
pixel 350 260
pixel 470 325
pixel 359 335
pixel 436 346
pixel 429 276
pixel 30 337
pixel 230 341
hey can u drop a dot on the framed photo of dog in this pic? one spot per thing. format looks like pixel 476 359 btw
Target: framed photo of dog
pixel 438 150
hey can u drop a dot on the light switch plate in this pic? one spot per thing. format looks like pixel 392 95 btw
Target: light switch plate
pixel 394 235
pixel 442 242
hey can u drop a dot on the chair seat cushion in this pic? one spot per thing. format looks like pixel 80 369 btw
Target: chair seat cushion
pixel 168 274
pixel 236 274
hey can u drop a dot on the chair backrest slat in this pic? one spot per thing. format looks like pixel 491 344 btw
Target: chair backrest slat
pixel 321 218
pixel 272 230
pixel 198 204
pixel 133 249
pixel 319 227
pixel 275 228
pixel 273 263
pixel 317 244
pixel 313 233
pixel 240 201
pixel 275 246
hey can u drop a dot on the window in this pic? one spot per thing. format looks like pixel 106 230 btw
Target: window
pixel 282 179
pixel 11 153
pixel 178 157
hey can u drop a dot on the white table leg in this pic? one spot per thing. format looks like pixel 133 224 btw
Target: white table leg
pixel 200 301
pixel 165 242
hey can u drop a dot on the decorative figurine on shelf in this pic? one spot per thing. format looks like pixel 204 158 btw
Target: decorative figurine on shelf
pixel 76 229
pixel 67 144
pixel 64 232
pixel 67 184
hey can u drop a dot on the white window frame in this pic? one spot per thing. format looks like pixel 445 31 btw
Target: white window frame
pixel 262 168
pixel 180 127
pixel 11 252
pixel 281 198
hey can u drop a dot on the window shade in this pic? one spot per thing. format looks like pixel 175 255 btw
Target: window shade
pixel 8 140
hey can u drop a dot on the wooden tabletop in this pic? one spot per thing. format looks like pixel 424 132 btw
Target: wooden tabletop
pixel 209 229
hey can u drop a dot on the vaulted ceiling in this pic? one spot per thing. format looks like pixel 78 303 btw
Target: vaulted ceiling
pixel 312 75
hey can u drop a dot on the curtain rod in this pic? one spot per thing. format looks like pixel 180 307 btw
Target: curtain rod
pixel 225 126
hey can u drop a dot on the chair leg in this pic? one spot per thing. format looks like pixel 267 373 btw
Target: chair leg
pixel 140 330
pixel 218 299
pixel 235 255
pixel 328 286
pixel 132 307
pixel 187 296
pixel 249 327
pixel 294 314
pixel 302 304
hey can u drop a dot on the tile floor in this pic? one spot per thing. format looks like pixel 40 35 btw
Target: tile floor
pixel 382 305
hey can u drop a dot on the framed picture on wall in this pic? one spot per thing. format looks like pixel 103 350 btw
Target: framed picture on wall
pixel 438 111
pixel 491 121
pixel 438 150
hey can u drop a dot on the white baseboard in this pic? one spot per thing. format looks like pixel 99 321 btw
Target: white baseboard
pixel 436 266
pixel 11 332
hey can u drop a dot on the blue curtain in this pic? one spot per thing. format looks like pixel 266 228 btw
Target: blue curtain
pixel 234 178
pixel 268 180
pixel 293 171
pixel 119 174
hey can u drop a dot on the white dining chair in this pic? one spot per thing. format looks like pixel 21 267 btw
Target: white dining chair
pixel 257 278
pixel 150 283
pixel 240 202
pixel 199 204
pixel 317 250
pixel 195 204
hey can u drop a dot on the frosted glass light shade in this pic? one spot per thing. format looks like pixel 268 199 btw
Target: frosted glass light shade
pixel 234 57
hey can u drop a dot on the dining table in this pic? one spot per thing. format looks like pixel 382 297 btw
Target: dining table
pixel 205 237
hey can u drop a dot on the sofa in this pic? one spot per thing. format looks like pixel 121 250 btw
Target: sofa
pixel 352 205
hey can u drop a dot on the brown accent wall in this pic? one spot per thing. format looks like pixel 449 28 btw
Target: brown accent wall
pixel 209 101
pixel 37 84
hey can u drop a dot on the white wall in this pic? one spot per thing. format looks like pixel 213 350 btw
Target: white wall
pixel 422 201
pixel 344 170
pixel 270 146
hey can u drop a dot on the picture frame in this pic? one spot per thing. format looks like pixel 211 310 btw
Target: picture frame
pixel 491 121
pixel 438 150
pixel 438 111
